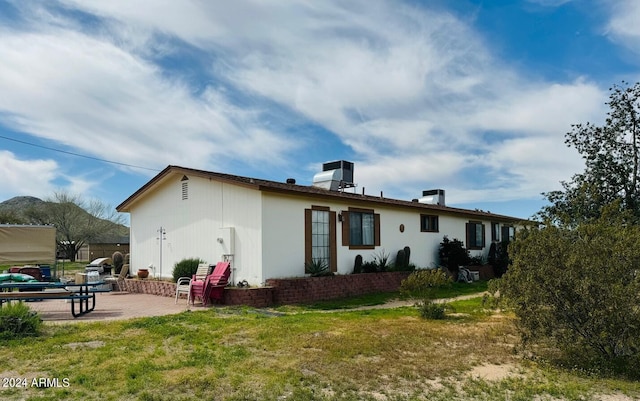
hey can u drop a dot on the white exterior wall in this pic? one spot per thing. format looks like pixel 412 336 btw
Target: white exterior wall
pixel 193 225
pixel 267 229
pixel 284 245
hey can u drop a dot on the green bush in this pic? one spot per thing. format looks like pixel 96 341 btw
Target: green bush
pixel 381 259
pixel 17 320
pixel 453 254
pixel 317 268
pixel 369 267
pixel 186 268
pixel 576 292
pixel 431 310
pixel 421 283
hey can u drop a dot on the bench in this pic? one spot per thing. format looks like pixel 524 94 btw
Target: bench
pixel 81 299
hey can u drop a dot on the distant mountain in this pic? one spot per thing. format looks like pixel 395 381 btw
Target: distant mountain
pixel 20 202
pixel 12 211
pixel 15 211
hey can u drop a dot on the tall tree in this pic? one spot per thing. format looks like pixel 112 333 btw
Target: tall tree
pixel 77 221
pixel 612 160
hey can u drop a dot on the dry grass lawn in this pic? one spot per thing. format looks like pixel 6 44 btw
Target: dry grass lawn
pixel 247 354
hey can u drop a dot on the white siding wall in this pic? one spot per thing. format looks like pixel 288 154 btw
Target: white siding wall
pixel 283 219
pixel 269 232
pixel 193 225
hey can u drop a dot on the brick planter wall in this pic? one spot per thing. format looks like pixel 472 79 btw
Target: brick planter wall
pixel 311 289
pixel 153 287
pixel 289 290
pixel 259 297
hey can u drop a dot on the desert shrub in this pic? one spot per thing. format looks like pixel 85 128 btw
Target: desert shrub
pixel 17 320
pixel 357 264
pixel 369 266
pixel 499 257
pixel 431 310
pixel 186 268
pixel 422 283
pixel 317 268
pixel 381 259
pixel 118 261
pixel 493 298
pixel 577 291
pixel 401 260
pixel 453 254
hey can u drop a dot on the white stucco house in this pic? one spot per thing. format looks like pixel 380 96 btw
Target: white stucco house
pixel 269 229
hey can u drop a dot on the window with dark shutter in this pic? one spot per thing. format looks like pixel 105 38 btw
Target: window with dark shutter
pixel 475 235
pixel 360 229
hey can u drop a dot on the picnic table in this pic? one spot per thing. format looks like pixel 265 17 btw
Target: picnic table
pixel 82 295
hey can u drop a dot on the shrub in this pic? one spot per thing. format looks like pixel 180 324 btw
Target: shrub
pixel 577 291
pixel 401 260
pixel 381 259
pixel 118 261
pixel 499 257
pixel 431 310
pixel 422 283
pixel 17 320
pixel 357 265
pixel 453 254
pixel 186 268
pixel 317 268
pixel 369 267
pixel 402 263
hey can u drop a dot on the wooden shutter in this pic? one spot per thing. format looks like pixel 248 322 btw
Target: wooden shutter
pixel 307 236
pixel 346 233
pixel 332 242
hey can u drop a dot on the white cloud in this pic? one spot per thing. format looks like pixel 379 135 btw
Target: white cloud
pixel 26 177
pixel 89 94
pixel 415 92
pixel 623 26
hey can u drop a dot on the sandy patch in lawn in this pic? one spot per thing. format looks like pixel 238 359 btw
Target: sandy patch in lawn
pixel 491 372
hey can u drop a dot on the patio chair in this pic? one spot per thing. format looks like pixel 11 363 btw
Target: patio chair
pixel 183 284
pixel 214 283
pixel 120 278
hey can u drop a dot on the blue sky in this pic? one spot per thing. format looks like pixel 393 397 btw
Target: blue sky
pixel 473 97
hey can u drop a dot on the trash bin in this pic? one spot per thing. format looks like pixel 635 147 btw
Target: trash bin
pixel 45 270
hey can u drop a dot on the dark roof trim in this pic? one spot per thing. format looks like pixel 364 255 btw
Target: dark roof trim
pixel 307 191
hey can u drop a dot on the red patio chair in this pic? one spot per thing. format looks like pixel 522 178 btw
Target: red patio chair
pixel 213 285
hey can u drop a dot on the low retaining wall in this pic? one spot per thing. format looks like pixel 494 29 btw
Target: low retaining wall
pixel 153 287
pixel 312 289
pixel 486 271
pixel 259 297
pixel 288 290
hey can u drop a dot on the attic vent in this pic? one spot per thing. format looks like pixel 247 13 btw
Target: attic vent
pixel 185 188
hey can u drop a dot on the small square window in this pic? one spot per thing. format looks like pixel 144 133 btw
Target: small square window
pixel 428 223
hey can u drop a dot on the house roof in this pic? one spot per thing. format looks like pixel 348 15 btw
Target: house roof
pixel 302 190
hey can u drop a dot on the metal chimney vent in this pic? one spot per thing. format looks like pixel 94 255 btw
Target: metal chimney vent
pixel 432 197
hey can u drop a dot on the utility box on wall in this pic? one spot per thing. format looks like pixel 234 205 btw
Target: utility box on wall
pixel 226 240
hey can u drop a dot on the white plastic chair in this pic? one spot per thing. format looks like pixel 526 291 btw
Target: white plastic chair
pixel 183 285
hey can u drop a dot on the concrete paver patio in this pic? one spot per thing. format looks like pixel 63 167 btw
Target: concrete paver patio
pixel 113 306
